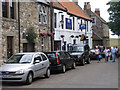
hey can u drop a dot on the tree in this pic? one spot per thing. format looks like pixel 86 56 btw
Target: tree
pixel 114 12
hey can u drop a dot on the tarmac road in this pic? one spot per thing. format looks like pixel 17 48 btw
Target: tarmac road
pixel 94 75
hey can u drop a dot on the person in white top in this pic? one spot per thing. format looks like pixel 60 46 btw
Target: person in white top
pixel 97 52
pixel 106 51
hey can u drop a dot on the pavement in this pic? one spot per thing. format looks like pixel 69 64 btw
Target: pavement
pixel 94 75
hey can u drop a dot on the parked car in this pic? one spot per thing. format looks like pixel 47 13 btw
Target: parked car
pixel 80 53
pixel 24 67
pixel 60 60
pixel 92 54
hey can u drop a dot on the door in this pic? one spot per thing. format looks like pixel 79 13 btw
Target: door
pixel 57 45
pixel 45 63
pixel 9 46
pixel 68 59
pixel 38 66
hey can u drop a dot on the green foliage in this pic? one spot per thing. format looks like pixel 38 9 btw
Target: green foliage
pixel 114 12
pixel 31 35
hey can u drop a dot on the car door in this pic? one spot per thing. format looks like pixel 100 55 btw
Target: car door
pixel 38 66
pixel 45 63
pixel 68 59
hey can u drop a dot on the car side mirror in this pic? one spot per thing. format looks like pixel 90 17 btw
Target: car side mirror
pixel 37 61
pixel 4 61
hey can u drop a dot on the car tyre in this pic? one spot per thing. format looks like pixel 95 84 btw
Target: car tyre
pixel 29 78
pixel 47 75
pixel 63 69
pixel 89 61
pixel 73 65
pixel 83 62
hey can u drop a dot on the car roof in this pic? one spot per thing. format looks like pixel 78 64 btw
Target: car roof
pixel 55 51
pixel 79 45
pixel 30 53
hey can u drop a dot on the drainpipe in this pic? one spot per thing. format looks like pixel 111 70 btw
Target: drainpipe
pixel 51 25
pixel 19 24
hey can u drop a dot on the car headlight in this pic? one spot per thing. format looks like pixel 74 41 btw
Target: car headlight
pixel 20 72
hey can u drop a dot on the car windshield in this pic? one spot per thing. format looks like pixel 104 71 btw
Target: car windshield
pixel 77 48
pixel 20 59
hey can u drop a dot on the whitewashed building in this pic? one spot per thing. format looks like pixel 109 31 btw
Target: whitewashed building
pixel 70 25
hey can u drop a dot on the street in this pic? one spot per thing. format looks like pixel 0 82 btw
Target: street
pixel 94 75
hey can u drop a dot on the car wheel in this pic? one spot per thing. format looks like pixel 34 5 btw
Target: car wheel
pixel 47 75
pixel 73 65
pixel 83 62
pixel 29 78
pixel 63 69
pixel 89 61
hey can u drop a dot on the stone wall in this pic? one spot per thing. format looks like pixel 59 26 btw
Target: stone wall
pixel 0 30
pixel 29 17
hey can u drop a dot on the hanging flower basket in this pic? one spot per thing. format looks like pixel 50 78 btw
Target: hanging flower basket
pixel 31 35
pixel 79 35
pixel 76 36
pixel 86 36
pixel 72 36
pixel 62 36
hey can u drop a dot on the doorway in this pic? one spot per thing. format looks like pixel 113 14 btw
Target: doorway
pixel 9 46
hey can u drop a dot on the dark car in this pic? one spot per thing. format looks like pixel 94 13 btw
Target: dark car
pixel 80 53
pixel 92 54
pixel 60 60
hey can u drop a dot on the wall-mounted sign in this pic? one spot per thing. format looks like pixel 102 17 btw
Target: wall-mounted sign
pixel 68 23
pixel 83 26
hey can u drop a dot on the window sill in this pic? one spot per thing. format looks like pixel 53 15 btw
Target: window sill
pixel 9 19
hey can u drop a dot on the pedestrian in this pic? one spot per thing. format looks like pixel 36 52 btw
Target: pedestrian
pixel 106 52
pixel 97 53
pixel 113 50
pixel 110 53
pixel 117 52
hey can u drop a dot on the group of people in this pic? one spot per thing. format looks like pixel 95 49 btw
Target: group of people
pixel 108 52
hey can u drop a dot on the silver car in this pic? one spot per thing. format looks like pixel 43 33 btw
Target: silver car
pixel 24 67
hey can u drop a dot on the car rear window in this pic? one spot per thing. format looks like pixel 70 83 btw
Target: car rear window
pixel 51 55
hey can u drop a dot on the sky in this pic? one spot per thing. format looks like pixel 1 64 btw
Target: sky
pixel 101 4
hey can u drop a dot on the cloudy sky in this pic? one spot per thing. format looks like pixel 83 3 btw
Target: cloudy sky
pixel 101 4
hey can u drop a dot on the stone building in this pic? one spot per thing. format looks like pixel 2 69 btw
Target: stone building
pixel 35 15
pixel 99 26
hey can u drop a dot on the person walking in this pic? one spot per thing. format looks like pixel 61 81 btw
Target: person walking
pixel 113 50
pixel 106 51
pixel 97 53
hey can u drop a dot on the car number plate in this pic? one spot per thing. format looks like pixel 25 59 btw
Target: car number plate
pixel 91 53
pixel 5 76
pixel 49 62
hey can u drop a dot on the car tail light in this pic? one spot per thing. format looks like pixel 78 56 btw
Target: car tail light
pixel 57 59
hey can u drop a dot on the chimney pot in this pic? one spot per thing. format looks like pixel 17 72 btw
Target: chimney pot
pixel 97 11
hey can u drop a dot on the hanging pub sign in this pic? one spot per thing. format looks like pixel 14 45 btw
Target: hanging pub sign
pixel 68 23
pixel 83 26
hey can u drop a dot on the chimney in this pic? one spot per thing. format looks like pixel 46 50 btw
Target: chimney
pixel 87 6
pixel 75 1
pixel 97 11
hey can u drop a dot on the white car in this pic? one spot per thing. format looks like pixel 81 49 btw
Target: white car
pixel 24 67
